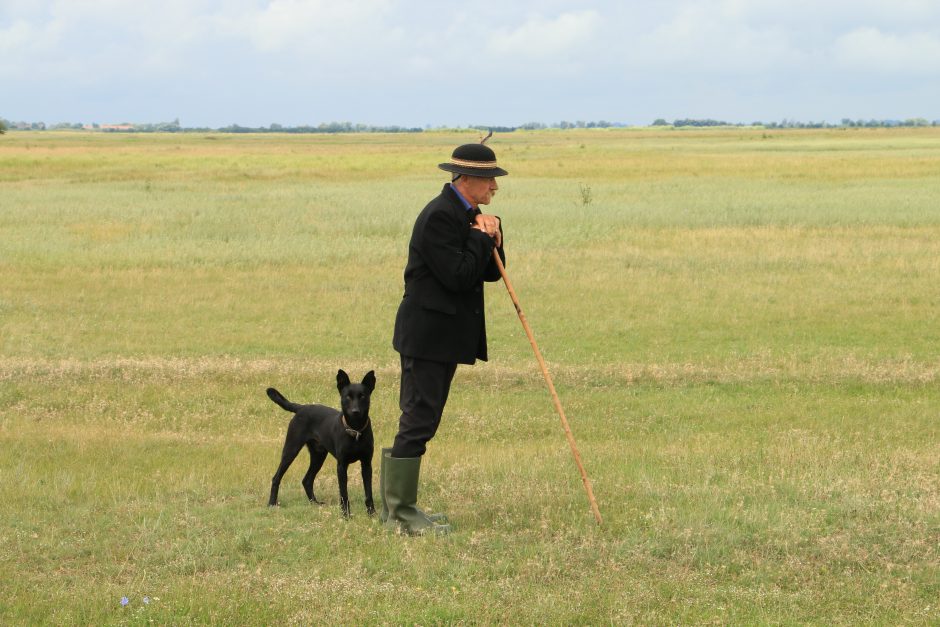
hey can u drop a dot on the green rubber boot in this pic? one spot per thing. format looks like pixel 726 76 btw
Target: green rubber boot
pixel 383 515
pixel 400 485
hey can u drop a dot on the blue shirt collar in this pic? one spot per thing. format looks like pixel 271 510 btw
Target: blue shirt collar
pixel 466 203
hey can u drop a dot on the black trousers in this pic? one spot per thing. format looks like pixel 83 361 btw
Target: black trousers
pixel 423 394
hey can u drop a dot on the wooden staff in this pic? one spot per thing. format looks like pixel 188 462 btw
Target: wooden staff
pixel 551 387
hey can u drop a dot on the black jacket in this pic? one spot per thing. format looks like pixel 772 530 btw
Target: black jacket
pixel 441 316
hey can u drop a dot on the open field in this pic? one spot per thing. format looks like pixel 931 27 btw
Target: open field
pixel 742 324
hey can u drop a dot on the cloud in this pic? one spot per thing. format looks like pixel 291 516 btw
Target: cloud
pixel 16 36
pixel 805 39
pixel 91 40
pixel 27 47
pixel 828 14
pixel 313 24
pixel 309 60
pixel 715 38
pixel 871 50
pixel 542 38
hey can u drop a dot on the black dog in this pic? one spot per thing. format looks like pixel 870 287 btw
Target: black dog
pixel 346 434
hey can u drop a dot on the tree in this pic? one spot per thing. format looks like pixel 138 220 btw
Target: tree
pixel 3 126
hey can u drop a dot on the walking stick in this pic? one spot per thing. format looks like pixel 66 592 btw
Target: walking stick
pixel 551 387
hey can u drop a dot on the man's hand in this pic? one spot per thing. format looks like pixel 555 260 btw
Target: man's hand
pixel 490 226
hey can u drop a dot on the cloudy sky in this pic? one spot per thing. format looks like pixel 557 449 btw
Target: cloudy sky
pixel 508 62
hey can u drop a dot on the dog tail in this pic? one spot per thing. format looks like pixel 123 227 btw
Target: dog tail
pixel 278 398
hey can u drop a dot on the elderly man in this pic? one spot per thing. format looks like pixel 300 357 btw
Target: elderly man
pixel 440 321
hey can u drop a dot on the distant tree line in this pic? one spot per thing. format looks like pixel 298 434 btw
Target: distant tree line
pixel 785 123
pixel 331 127
pixel 535 126
pixel 176 127
pixel 326 127
pixel 349 127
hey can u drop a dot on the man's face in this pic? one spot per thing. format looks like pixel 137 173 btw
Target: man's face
pixel 477 190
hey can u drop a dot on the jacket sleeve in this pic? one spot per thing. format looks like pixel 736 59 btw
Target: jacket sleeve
pixel 456 255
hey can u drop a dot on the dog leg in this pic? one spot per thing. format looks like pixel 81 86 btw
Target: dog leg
pixel 367 485
pixel 287 458
pixel 317 457
pixel 342 475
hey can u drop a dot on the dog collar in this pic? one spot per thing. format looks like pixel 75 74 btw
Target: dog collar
pixel 352 432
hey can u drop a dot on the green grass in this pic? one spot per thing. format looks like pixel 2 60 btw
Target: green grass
pixel 742 326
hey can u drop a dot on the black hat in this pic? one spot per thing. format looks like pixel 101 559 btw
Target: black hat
pixel 473 160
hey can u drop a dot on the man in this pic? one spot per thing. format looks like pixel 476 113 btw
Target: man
pixel 440 321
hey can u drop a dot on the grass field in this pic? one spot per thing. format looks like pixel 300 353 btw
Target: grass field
pixel 742 325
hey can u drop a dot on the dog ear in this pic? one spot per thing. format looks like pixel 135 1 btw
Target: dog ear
pixel 369 381
pixel 342 380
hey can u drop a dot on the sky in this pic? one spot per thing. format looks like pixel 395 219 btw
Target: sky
pixel 212 63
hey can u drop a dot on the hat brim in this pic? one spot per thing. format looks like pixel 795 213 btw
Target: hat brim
pixel 481 172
